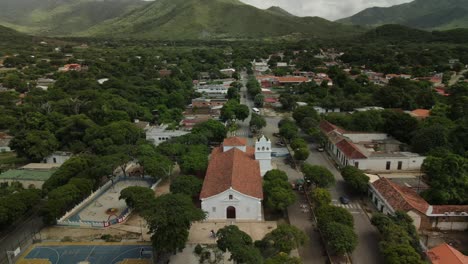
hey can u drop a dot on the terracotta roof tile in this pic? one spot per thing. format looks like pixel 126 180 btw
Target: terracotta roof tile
pixel 350 150
pixel 233 168
pixel 441 209
pixel 445 254
pixel 422 113
pixel 295 79
pixel 235 141
pixel 401 198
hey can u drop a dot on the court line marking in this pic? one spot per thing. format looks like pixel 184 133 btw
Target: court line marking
pixel 90 253
pixel 125 252
pixel 56 252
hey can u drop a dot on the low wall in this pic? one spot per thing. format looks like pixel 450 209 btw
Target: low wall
pixel 121 218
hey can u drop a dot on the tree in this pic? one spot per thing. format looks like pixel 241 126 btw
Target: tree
pixel 257 122
pixel 428 138
pixel 253 87
pixel 195 162
pixel 318 175
pixel 302 112
pixel 298 143
pixel 448 178
pixel 35 144
pixel 329 213
pixel 288 129
pixel 283 239
pixel 239 244
pixel 356 179
pixel 278 192
pixel 214 130
pixel 283 258
pixel 233 93
pixel 259 100
pixel 137 197
pixel 169 218
pixel 340 238
pixel 186 184
pixel 301 154
pixel 320 196
pixel 399 125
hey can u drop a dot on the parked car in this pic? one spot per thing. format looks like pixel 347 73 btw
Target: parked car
pixel 280 143
pixel 276 135
pixel 320 149
pixel 344 200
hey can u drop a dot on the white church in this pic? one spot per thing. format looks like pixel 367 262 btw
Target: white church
pixel 232 188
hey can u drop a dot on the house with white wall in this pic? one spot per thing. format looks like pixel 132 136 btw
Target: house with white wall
pixel 390 197
pixel 5 142
pixel 58 157
pixel 372 152
pixel 232 188
pixel 160 134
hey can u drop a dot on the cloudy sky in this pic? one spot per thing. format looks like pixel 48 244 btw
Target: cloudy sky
pixel 329 9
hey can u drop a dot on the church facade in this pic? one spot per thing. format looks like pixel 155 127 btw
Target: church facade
pixel 232 188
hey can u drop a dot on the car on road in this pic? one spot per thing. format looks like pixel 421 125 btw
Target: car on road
pixel 344 200
pixel 276 135
pixel 320 149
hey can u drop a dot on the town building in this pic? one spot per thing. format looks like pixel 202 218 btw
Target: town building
pixel 203 102
pixel 420 113
pixel 160 134
pixel 210 89
pixel 390 197
pixel 58 157
pixel 371 152
pixel 232 188
pixel 446 254
pixel 44 83
pixel 5 142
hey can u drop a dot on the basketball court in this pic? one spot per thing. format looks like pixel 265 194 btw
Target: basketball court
pixel 67 253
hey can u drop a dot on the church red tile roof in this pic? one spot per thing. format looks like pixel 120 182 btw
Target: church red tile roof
pixel 399 197
pixel 233 169
pixel 445 254
pixel 350 150
pixel 328 127
pixel 235 142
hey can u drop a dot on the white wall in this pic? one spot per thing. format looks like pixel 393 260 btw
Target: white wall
pixel 380 164
pixel 57 159
pixel 241 148
pixel 450 225
pixel 5 149
pixel 160 137
pixel 247 208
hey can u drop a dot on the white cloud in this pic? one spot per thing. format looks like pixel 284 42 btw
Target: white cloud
pixel 329 9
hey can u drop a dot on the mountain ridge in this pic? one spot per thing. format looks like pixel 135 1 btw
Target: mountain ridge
pixel 208 19
pixel 423 14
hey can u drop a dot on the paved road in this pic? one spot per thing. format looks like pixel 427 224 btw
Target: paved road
pixel 367 251
pixel 457 77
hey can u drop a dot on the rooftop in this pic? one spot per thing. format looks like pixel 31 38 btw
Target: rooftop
pixel 445 254
pixel 235 141
pixel 22 174
pixel 233 169
pixel 41 166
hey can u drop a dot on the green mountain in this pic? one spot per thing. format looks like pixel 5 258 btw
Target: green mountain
pixel 279 11
pixel 61 17
pixel 423 14
pixel 398 34
pixel 10 36
pixel 208 19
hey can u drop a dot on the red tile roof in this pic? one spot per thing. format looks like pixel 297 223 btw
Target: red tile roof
pixel 233 169
pixel 400 198
pixel 235 141
pixel 442 209
pixel 445 254
pixel 350 150
pixel 421 113
pixel 295 79
pixel 327 127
